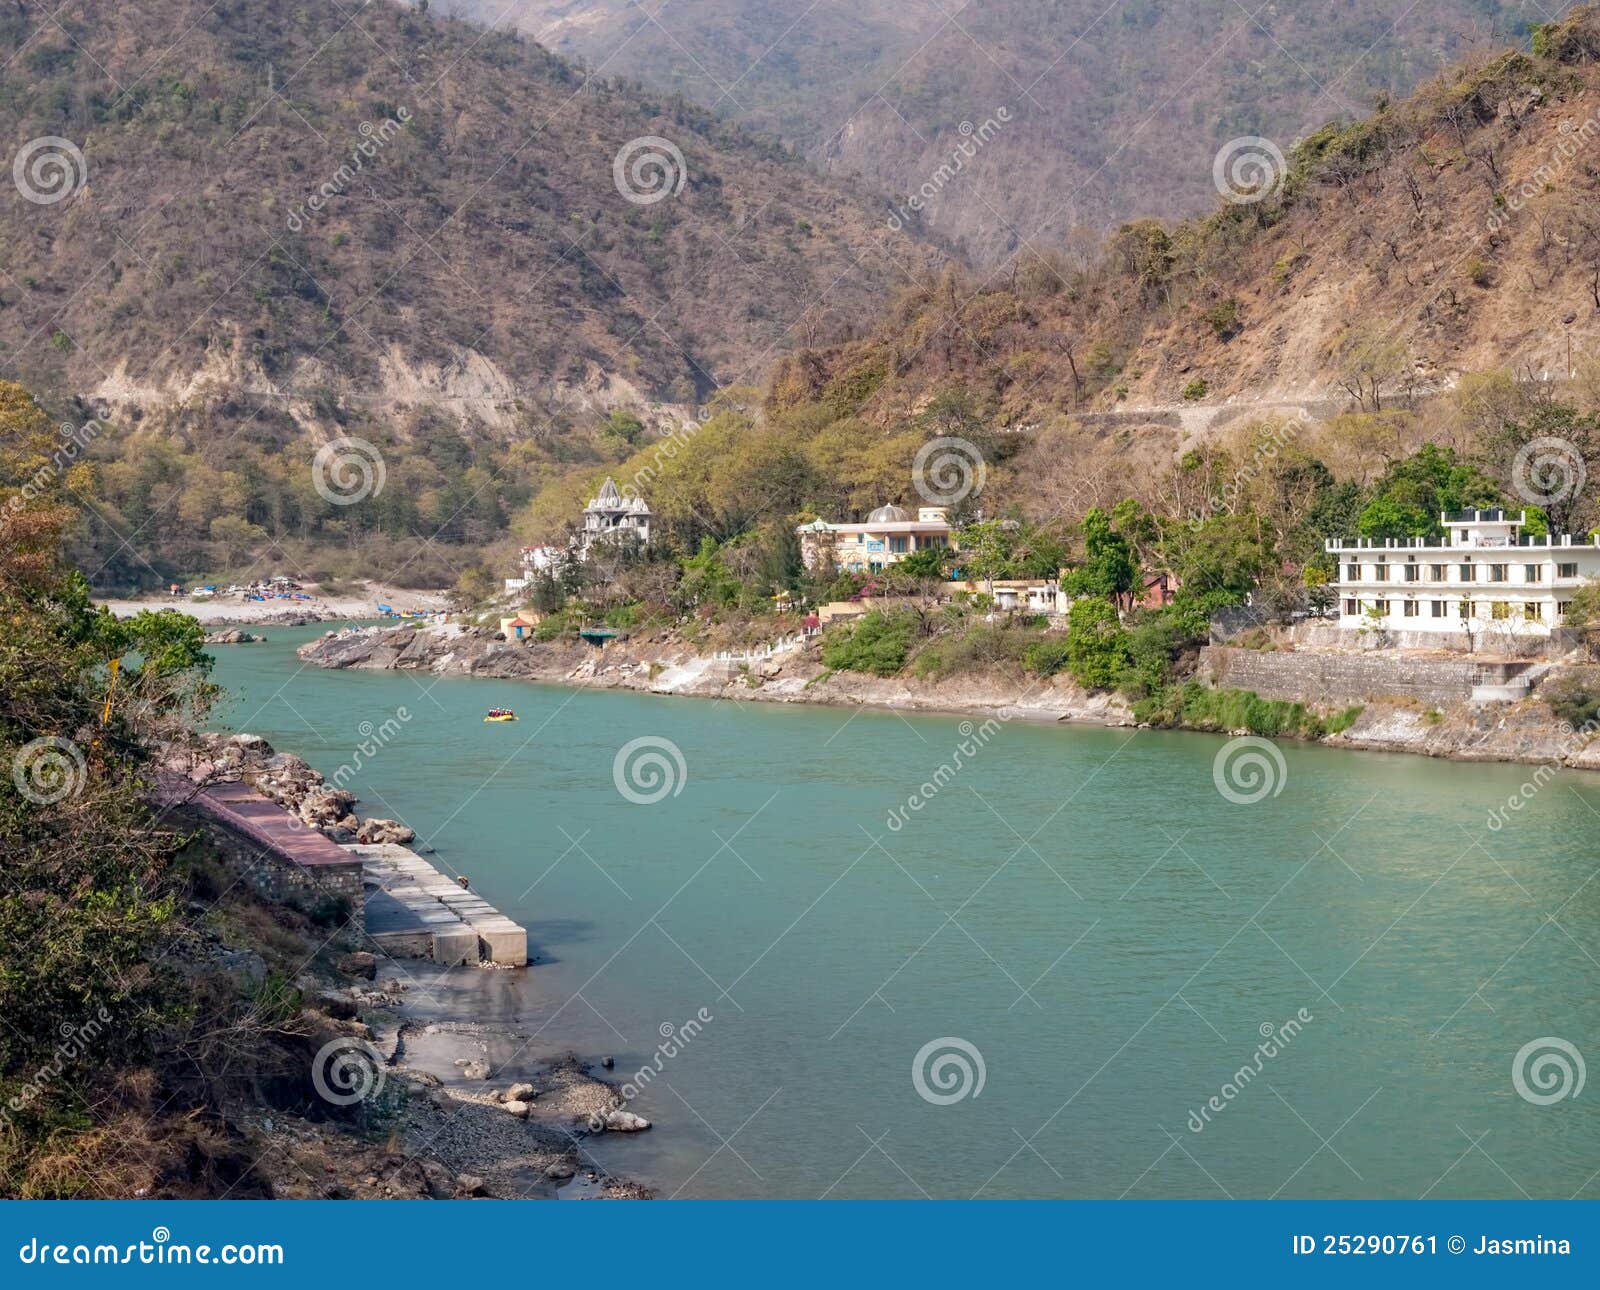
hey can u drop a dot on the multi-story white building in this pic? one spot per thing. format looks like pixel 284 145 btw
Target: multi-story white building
pixel 887 537
pixel 1486 578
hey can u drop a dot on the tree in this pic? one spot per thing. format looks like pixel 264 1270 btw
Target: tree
pixel 1108 569
pixel 1097 646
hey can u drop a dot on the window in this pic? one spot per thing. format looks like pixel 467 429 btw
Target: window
pixel 1466 572
pixel 1465 608
pixel 1436 573
pixel 1567 570
pixel 1497 573
pixel 1533 573
pixel 1562 606
pixel 1352 573
pixel 1438 608
pixel 1500 609
pixel 1533 611
pixel 1412 573
pixel 1410 608
pixel 898 545
pixel 1351 608
pixel 1380 573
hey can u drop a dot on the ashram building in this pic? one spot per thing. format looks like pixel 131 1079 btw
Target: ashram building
pixel 1486 577
pixel 887 536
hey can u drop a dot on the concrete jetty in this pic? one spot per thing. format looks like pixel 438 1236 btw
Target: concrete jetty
pixel 414 911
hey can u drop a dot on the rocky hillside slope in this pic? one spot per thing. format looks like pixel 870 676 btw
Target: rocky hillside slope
pixel 1455 231
pixel 286 217
pixel 1115 110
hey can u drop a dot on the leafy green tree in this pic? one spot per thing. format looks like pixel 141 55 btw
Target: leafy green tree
pixel 1108 569
pixel 1097 645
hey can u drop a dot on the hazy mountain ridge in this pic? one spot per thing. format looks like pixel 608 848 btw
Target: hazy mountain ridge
pixel 1116 111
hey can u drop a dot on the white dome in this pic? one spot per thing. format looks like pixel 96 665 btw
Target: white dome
pixel 889 515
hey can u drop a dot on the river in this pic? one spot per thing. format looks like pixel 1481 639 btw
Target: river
pixel 1127 982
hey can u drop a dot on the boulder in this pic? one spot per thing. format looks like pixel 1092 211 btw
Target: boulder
pixel 625 1122
pixel 560 1170
pixel 521 1093
pixel 518 1109
pixel 376 831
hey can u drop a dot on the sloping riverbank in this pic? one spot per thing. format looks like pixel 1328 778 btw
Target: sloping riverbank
pixel 1526 731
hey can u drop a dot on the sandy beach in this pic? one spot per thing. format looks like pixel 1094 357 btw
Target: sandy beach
pixel 362 603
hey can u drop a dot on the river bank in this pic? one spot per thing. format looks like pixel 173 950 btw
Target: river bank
pixel 360 602
pixel 418 1087
pixel 1517 732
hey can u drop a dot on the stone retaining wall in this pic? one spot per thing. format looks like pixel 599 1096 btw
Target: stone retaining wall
pixel 1304 677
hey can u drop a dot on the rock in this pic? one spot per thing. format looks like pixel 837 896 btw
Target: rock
pixel 337 1006
pixel 359 963
pixel 247 965
pixel 518 1109
pixel 375 830
pixel 607 1062
pixel 561 1169
pixel 521 1093
pixel 322 805
pixel 250 743
pixel 476 1070
pixel 469 1185
pixel 625 1122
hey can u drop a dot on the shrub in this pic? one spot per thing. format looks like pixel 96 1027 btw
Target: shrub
pixel 1574 696
pixel 1097 647
pixel 1046 657
pixel 1196 389
pixel 877 643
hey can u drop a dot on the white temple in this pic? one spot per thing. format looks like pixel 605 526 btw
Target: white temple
pixel 613 519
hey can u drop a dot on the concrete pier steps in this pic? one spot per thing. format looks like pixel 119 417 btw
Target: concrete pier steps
pixel 414 911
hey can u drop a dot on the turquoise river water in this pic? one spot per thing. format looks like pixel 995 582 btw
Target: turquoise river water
pixel 1322 993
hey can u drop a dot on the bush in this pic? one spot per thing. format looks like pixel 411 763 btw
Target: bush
pixel 1046 657
pixel 1574 696
pixel 1196 389
pixel 877 643
pixel 978 646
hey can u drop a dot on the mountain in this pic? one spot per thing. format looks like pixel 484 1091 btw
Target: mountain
pixel 1105 111
pixel 1396 257
pixel 329 207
